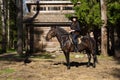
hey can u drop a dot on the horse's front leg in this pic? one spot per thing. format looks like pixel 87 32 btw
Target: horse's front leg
pixel 67 56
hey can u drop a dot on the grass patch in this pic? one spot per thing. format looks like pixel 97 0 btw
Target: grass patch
pixel 11 50
pixel 43 56
pixel 72 55
pixel 14 79
pixel 105 57
pixel 7 71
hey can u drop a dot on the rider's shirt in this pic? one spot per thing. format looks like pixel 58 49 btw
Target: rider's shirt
pixel 75 26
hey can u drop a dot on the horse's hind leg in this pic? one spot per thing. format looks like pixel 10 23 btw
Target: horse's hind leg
pixel 94 59
pixel 89 59
pixel 67 59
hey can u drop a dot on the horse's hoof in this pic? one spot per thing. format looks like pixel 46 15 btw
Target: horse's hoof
pixel 68 68
pixel 27 61
pixel 88 66
pixel 94 66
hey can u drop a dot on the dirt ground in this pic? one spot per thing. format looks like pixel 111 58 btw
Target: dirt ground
pixel 54 68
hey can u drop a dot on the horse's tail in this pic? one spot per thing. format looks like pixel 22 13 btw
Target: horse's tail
pixel 95 49
pixel 96 54
pixel 97 60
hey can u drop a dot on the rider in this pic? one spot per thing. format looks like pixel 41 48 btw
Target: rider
pixel 75 31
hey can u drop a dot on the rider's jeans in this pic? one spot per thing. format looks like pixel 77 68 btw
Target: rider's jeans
pixel 75 40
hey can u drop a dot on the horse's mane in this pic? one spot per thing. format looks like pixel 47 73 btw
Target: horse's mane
pixel 61 30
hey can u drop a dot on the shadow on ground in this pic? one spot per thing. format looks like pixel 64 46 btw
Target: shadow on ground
pixel 74 64
pixel 116 73
pixel 11 57
pixel 17 58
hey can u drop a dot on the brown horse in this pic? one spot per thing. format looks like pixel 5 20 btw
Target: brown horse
pixel 87 43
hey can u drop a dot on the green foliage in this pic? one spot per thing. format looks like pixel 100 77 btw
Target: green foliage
pixel 113 11
pixel 74 1
pixel 68 15
pixel 88 12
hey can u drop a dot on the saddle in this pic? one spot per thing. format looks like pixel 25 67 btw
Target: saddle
pixel 79 38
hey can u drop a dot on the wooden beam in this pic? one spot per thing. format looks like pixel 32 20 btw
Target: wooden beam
pixel 47 24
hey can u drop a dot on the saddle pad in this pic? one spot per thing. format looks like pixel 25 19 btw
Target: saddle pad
pixel 79 39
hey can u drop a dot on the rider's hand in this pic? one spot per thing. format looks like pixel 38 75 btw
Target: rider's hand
pixel 71 31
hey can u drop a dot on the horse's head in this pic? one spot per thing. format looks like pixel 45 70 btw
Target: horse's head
pixel 51 33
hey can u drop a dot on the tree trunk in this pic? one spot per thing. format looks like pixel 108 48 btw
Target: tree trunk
pixel 8 26
pixel 3 17
pixel 111 50
pixel 19 26
pixel 104 28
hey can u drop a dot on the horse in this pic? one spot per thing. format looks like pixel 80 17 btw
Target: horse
pixel 87 43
